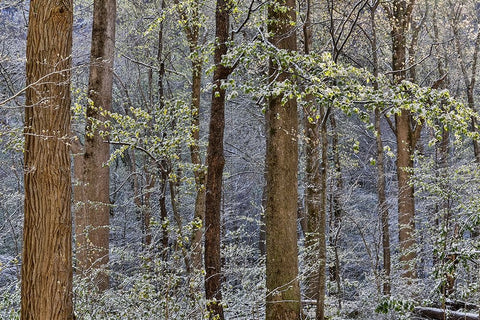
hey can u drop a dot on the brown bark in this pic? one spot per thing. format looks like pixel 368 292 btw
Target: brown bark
pixel 400 19
pixel 215 163
pixel 283 294
pixel 195 152
pixel 192 32
pixel 92 221
pixel 46 291
pixel 312 178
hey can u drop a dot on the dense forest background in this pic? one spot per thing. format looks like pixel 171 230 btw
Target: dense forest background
pixel 382 102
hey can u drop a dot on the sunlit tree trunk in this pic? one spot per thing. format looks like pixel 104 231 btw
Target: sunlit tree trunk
pixel 92 220
pixel 47 237
pixel 283 293
pixel 406 133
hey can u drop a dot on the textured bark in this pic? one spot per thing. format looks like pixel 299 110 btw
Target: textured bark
pixel 215 163
pixel 283 294
pixel 405 135
pixel 92 220
pixel 47 235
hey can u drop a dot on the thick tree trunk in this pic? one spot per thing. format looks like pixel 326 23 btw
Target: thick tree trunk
pixel 400 20
pixel 47 235
pixel 283 293
pixel 215 162
pixel 92 221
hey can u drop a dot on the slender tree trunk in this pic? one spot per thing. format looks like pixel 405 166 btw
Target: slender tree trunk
pixel 322 218
pixel 195 152
pixel 192 32
pixel 312 170
pixel 381 184
pixel 337 211
pixel 283 293
pixel 215 162
pixel 92 221
pixel 47 235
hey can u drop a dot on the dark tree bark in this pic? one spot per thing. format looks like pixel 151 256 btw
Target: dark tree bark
pixel 215 163
pixel 93 218
pixel 283 294
pixel 47 235
pixel 313 192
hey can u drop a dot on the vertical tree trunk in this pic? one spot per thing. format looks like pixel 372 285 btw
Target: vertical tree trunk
pixel 405 135
pixel 337 211
pixel 192 32
pixel 283 293
pixel 381 184
pixel 47 235
pixel 92 221
pixel 215 162
pixel 312 178
pixel 322 218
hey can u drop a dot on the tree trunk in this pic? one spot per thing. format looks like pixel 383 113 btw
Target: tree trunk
pixel 195 153
pixel 322 218
pixel 47 235
pixel 401 20
pixel 92 221
pixel 283 293
pixel 312 177
pixel 215 162
pixel 381 184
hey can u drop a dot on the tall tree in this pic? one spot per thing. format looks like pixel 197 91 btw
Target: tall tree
pixel 92 219
pixel 215 163
pixel 316 147
pixel 283 293
pixel 407 132
pixel 381 183
pixel 47 238
pixel 191 16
